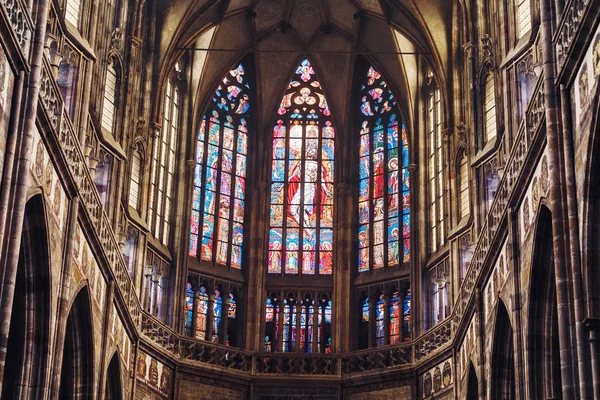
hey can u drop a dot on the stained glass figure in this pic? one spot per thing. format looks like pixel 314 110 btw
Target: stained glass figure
pixel 217 316
pixel 406 323
pixel 383 178
pixel 189 309
pixel 217 221
pixel 302 178
pixel 379 322
pixel 201 313
pixel 395 319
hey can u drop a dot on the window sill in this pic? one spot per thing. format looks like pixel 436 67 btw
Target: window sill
pixel 77 40
pixel 159 248
pixel 523 44
pixel 135 218
pixel 463 225
pixel 439 255
pixel 490 147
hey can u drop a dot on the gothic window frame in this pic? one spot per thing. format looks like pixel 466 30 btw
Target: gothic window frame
pixel 164 154
pixel 439 296
pixel 463 194
pixel 294 315
pixel 490 126
pixel 304 100
pixel 110 109
pixel 367 125
pixel 375 307
pixel 230 112
pixel 435 163
pixel 136 178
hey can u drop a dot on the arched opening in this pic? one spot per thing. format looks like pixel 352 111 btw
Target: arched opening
pixel 544 373
pixel 113 389
pixel 472 384
pixel 503 356
pixel 27 349
pixel 76 377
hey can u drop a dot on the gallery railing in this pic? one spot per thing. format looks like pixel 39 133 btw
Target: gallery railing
pixel 203 353
pixel 62 133
pixel 527 136
pixel 574 13
pixel 18 17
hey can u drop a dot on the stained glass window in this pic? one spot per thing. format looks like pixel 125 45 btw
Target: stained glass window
pixel 201 313
pixel 110 96
pixel 489 110
pixel 189 308
pixel 384 187
pixel 217 221
pixel 380 322
pixel 395 319
pixel 298 325
pixel 406 323
pixel 217 316
pixel 301 220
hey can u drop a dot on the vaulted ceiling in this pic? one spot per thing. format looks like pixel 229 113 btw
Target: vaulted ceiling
pixel 329 32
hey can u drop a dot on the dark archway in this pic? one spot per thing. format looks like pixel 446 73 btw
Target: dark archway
pixel 27 349
pixel 503 356
pixel 113 389
pixel 472 384
pixel 76 377
pixel 544 351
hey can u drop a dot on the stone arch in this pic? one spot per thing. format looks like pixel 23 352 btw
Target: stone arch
pixel 114 388
pixel 28 339
pixel 77 371
pixel 543 345
pixel 472 384
pixel 503 356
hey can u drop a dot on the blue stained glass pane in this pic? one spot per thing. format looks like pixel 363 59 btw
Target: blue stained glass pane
pixel 211 179
pixel 199 152
pixel 363 190
pixel 198 175
pixel 209 202
pixel 393 229
pixel 196 198
pixel 278 171
pixel 189 306
pixel 364 167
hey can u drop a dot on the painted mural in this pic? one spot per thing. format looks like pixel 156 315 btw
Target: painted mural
pixel 87 268
pixel 467 347
pixel 7 79
pixel 154 376
pixel 437 382
pixel 585 88
pixel 496 282
pixel 537 190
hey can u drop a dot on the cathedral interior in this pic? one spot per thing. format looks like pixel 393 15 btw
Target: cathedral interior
pixel 202 199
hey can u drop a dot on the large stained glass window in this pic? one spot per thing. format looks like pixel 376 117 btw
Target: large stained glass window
pixel 384 195
pixel 217 221
pixel 301 220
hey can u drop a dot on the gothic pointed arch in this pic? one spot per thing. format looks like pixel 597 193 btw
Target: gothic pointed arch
pixel 302 178
pixel 77 369
pixel 113 390
pixel 503 356
pixel 383 176
pixel 543 338
pixel 27 355
pixel 472 384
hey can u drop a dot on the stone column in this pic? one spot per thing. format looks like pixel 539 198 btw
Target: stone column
pixel 154 299
pixel 372 322
pixel 224 319
pixel 210 316
pixel 14 224
pixel 196 291
pixel 555 196
pixel 64 297
pixel 386 320
pixel 402 296
pixel 279 325
pixel 316 334
pixel 298 325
